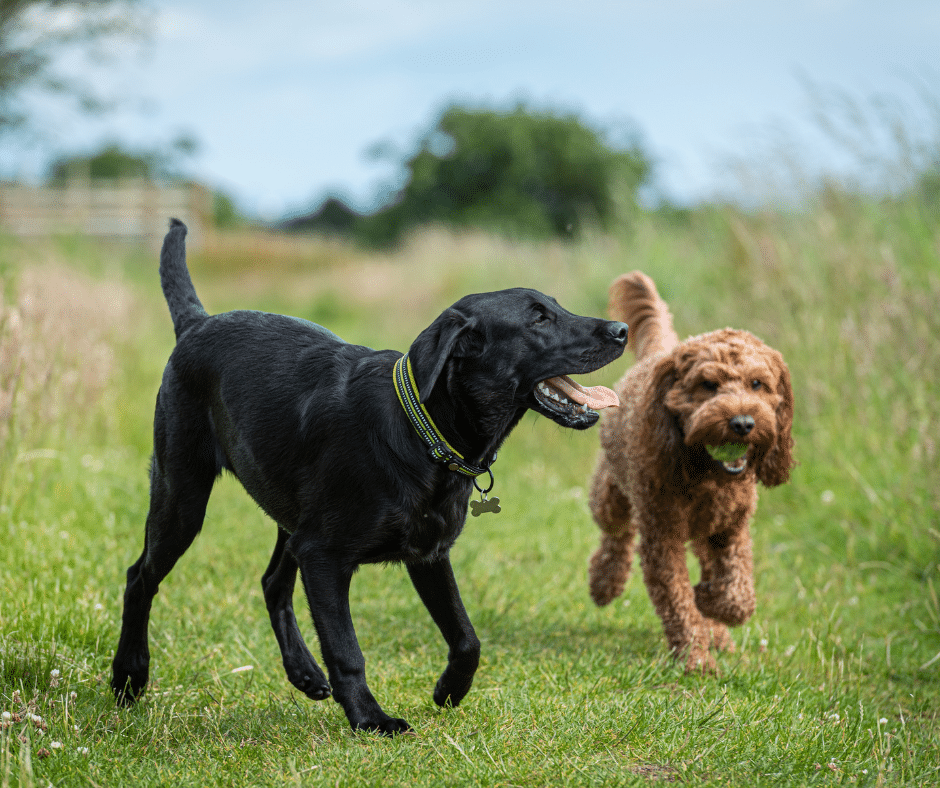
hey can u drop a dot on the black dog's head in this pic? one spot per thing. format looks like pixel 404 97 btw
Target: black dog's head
pixel 503 352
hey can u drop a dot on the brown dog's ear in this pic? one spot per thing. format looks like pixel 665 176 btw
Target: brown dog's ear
pixel 435 345
pixel 774 467
pixel 660 429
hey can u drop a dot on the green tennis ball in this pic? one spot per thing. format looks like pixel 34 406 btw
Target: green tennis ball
pixel 727 452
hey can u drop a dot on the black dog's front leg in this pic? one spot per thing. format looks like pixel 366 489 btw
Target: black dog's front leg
pixel 327 587
pixel 438 590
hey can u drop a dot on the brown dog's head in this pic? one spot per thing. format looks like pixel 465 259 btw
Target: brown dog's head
pixel 722 403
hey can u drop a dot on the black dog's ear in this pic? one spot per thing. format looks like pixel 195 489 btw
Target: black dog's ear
pixel 435 345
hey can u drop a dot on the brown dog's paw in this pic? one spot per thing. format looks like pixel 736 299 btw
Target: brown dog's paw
pixel 608 570
pixel 700 660
pixel 729 601
pixel 693 649
pixel 720 637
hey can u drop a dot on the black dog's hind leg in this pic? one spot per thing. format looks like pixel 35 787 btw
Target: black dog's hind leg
pixel 437 587
pixel 326 581
pixel 278 585
pixel 179 492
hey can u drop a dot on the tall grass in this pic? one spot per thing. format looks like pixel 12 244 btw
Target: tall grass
pixel 836 676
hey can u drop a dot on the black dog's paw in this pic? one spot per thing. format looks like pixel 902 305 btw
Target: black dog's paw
pixel 452 687
pixel 128 688
pixel 314 687
pixel 389 726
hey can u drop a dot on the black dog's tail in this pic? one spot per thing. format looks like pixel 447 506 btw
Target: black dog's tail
pixel 185 307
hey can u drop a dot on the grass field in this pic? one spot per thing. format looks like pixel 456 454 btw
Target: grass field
pixel 836 678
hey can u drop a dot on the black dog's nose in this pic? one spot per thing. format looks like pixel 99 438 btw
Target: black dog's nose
pixel 618 331
pixel 742 424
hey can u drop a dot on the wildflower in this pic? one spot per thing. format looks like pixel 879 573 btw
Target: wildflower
pixel 883 721
pixel 763 645
pixel 73 696
pixel 828 496
pixel 6 716
pixel 790 651
pixel 54 677
pixel 833 717
pixel 55 745
pixel 83 751
pixel 99 606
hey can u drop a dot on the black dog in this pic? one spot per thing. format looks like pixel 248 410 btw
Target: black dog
pixel 315 430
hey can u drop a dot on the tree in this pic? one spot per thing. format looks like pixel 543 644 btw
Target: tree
pixel 521 172
pixel 33 33
pixel 113 160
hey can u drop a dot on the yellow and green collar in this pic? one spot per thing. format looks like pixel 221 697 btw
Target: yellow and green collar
pixel 438 447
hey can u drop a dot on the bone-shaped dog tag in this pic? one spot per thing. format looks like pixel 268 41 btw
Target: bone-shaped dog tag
pixel 486 505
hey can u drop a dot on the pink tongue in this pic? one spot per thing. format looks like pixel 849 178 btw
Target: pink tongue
pixel 595 397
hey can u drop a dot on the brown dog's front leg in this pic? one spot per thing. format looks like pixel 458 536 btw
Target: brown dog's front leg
pixel 726 592
pixel 327 585
pixel 670 590
pixel 437 587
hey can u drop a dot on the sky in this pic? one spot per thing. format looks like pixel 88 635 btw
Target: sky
pixel 287 97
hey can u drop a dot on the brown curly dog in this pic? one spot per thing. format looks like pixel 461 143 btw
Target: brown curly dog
pixel 700 423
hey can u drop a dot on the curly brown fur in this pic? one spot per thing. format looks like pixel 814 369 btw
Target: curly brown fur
pixel 655 477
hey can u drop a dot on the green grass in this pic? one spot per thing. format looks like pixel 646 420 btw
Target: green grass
pixel 835 680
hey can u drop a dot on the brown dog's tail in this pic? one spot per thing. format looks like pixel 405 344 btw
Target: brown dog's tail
pixel 633 299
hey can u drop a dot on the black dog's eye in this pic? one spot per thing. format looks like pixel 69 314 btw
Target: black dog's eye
pixel 709 385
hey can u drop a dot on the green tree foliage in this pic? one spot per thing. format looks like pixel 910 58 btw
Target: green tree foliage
pixel 33 33
pixel 518 172
pixel 524 171
pixel 113 160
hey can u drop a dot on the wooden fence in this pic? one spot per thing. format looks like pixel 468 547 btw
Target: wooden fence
pixel 137 211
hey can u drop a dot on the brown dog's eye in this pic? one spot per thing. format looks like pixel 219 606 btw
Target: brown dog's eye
pixel 709 385
pixel 756 385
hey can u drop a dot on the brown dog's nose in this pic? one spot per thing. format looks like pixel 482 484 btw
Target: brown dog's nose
pixel 618 331
pixel 742 424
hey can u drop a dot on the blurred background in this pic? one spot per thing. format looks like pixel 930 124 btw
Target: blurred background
pixel 365 119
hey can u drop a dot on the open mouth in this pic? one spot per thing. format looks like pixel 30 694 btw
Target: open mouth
pixel 571 404
pixel 732 456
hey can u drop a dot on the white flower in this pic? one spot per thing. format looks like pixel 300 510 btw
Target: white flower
pixel 56 745
pixel 83 751
pixel 828 496
pixel 6 716
pixel 99 606
pixel 883 721
pixel 55 673
pixel 73 696
pixel 791 650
